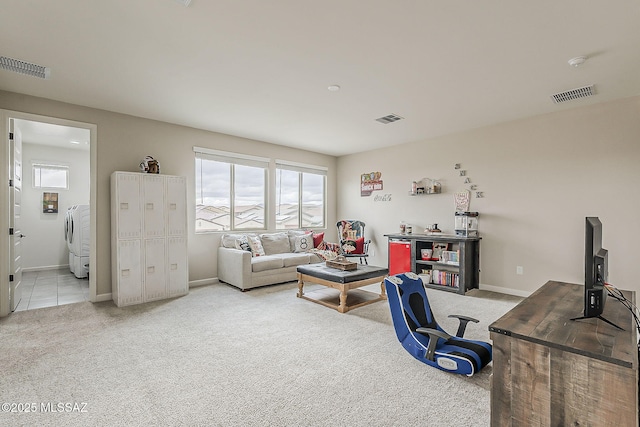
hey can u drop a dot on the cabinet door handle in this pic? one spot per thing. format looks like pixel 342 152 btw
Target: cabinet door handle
pixel 125 272
pixel 151 269
pixel 174 266
pixel 124 206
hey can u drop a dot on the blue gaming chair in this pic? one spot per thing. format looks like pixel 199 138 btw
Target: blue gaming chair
pixel 423 338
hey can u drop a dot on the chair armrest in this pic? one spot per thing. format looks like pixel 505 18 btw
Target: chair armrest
pixel 434 334
pixel 463 323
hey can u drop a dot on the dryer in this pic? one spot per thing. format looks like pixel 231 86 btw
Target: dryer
pixel 78 239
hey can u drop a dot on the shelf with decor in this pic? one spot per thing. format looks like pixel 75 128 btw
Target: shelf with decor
pixel 425 186
pixel 445 262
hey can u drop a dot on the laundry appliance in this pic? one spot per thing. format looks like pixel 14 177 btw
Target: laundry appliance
pixel 77 235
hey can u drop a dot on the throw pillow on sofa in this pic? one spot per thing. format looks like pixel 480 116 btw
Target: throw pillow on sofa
pixel 275 243
pixel 292 238
pixel 229 240
pixel 317 239
pixel 242 243
pixel 303 243
pixel 256 246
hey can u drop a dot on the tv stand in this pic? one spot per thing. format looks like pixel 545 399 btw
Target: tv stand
pixel 598 317
pixel 549 371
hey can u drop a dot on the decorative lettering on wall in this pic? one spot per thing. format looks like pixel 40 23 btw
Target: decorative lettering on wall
pixel 382 198
pixel 467 180
pixel 370 182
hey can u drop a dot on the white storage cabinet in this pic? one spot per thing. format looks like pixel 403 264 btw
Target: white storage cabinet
pixel 148 237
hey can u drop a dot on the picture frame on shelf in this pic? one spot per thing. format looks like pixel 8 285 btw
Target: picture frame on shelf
pixel 438 248
pixel 450 257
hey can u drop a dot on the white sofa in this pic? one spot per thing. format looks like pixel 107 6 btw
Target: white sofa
pixel 247 269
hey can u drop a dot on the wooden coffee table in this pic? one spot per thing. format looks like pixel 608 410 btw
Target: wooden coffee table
pixel 343 281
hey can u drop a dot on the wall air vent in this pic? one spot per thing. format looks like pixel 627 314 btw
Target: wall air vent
pixel 570 95
pixel 23 67
pixel 389 119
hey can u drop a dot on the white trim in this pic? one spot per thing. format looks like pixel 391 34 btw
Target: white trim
pixel 229 157
pixel 103 297
pixel 46 267
pixel 5 115
pixel 301 167
pixel 203 282
pixel 507 291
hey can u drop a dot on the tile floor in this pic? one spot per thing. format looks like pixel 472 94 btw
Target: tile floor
pixel 49 288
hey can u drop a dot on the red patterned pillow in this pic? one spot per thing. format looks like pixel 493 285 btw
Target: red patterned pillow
pixel 354 246
pixel 359 246
pixel 317 239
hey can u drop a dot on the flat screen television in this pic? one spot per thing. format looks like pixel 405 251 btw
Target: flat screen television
pixel 595 271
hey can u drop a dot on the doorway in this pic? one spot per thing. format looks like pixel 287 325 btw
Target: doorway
pixel 58 171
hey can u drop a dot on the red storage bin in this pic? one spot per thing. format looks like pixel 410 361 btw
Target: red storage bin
pixel 399 257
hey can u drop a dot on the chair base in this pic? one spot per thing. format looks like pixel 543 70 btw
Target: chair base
pixel 361 256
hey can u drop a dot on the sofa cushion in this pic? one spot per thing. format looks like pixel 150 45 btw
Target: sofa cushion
pixel 303 243
pixel 275 243
pixel 256 246
pixel 291 260
pixel 267 262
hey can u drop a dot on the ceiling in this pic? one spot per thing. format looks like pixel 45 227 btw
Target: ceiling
pixel 54 135
pixel 260 69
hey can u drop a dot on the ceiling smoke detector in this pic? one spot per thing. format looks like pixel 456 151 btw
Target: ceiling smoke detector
pixel 22 67
pixel 389 119
pixel 570 95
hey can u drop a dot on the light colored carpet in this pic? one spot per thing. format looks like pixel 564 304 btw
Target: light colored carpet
pixel 220 357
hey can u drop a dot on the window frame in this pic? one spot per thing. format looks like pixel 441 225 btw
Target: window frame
pixel 301 169
pixel 43 165
pixel 233 159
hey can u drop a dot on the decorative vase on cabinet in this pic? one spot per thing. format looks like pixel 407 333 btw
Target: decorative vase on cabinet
pixel 148 237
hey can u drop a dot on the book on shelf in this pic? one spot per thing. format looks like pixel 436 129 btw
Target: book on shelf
pixel 446 278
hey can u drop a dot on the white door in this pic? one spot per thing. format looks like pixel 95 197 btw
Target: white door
pixel 15 231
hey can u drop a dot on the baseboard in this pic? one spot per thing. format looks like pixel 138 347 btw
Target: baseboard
pixel 203 282
pixel 508 291
pixel 103 297
pixel 192 284
pixel 46 267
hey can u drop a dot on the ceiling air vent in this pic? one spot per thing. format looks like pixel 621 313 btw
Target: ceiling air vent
pixel 389 119
pixel 570 95
pixel 23 67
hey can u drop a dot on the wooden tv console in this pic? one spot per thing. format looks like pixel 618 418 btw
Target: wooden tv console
pixel 551 371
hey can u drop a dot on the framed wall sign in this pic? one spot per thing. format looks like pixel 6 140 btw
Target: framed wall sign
pixel 50 202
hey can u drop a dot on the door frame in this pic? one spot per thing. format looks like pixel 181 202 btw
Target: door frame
pixel 5 116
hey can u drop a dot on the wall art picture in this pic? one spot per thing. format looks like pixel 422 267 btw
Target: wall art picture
pixel 370 182
pixel 50 202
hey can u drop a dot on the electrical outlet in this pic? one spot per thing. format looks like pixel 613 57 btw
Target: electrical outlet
pixel 519 270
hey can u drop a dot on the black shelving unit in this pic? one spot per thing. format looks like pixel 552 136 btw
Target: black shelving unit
pixel 460 277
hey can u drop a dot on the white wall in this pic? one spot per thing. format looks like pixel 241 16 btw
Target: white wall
pixel 44 244
pixel 122 141
pixel 540 176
